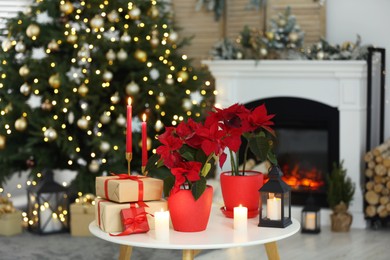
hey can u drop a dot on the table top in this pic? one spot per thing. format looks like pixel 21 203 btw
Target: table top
pixel 219 234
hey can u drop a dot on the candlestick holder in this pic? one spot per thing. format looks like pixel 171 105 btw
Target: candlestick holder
pixel 143 170
pixel 129 157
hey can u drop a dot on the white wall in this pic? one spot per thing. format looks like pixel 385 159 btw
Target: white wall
pixel 368 18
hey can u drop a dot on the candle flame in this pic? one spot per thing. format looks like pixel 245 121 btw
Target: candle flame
pixel 129 101
pixel 144 117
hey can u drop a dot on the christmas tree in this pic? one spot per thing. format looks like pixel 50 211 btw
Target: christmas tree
pixel 67 70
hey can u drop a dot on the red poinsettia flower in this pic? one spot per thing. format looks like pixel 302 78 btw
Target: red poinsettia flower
pixel 185 171
pixel 235 116
pixel 260 118
pixel 169 150
pixel 187 132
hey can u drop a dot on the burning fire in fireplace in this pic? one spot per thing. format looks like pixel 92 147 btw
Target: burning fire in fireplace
pixel 302 179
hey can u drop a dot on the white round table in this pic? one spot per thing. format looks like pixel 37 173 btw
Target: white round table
pixel 219 234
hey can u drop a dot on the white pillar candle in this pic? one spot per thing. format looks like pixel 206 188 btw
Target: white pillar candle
pixel 161 225
pixel 240 218
pixel 310 222
pixel 274 208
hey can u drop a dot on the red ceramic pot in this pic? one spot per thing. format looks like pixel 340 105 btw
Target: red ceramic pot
pixel 188 215
pixel 241 190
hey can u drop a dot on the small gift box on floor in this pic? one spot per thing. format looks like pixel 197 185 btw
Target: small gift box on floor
pixel 129 188
pixel 108 213
pixel 10 218
pixel 82 213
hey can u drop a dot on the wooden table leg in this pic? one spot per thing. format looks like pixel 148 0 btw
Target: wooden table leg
pixel 272 251
pixel 189 254
pixel 125 252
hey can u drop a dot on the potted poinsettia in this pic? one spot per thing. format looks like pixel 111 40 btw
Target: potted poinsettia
pixel 240 186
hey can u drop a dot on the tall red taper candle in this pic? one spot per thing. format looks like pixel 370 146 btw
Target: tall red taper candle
pixel 144 141
pixel 129 136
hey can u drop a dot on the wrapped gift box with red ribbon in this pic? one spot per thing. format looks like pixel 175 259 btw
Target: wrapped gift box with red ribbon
pixel 80 217
pixel 108 213
pixel 129 188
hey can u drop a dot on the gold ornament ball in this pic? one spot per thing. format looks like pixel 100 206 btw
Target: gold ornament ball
pixel 107 76
pixel 46 105
pixel 132 88
pixel 110 55
pixel 269 35
pixel 50 134
pixel 54 81
pixel 121 120
pixel 2 142
pixel 239 55
pixel 24 71
pixel 104 146
pixel 83 90
pixel 33 30
pixel 293 37
pixel 97 22
pixel 320 55
pixel 67 8
pixel 126 37
pixel 104 118
pixel 282 22
pixel 21 124
pixel 154 42
pixel 154 12
pixel 263 52
pixel 20 47
pixel 140 55
pixel 72 38
pixel 158 126
pixel 169 81
pixel 6 44
pixel 187 104
pixel 148 143
pixel 53 45
pixel 135 13
pixel 94 166
pixel 82 123
pixel 161 99
pixel 121 55
pixel 115 98
pixel 25 89
pixel 173 36
pixel 182 76
pixel 113 16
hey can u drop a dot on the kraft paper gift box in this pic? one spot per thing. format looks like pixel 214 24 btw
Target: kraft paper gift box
pixel 11 223
pixel 108 213
pixel 80 218
pixel 123 189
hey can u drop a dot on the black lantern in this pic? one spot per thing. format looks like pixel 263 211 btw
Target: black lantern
pixel 276 201
pixel 47 203
pixel 311 222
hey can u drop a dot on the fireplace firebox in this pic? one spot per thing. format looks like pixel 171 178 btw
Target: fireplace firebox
pixel 307 144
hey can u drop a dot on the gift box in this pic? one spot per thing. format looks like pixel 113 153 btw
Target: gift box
pixel 129 188
pixel 81 215
pixel 11 223
pixel 108 213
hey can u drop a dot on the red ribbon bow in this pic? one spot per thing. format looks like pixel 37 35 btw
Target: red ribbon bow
pixel 123 176
pixel 133 225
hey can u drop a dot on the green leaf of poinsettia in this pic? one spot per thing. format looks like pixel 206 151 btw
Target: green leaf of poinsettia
pixel 198 188
pixel 272 158
pixel 154 162
pixel 168 185
pixel 259 147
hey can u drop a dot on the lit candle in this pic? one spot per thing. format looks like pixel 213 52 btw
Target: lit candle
pixel 240 218
pixel 144 141
pixel 310 222
pixel 273 207
pixel 161 225
pixel 129 136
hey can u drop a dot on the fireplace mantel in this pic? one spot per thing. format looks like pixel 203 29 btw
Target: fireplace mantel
pixel 339 84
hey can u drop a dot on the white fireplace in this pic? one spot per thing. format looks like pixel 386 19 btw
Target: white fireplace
pixel 339 84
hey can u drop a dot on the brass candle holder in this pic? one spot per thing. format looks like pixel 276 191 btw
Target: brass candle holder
pixel 129 157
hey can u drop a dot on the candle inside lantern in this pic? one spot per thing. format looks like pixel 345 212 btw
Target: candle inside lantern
pixel 129 136
pixel 273 207
pixel 161 225
pixel 240 218
pixel 144 141
pixel 310 222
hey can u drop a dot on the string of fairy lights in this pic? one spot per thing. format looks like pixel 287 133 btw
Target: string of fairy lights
pixel 160 35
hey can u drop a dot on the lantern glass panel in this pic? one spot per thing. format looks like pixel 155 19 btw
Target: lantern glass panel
pixel 272 206
pixel 286 204
pixel 50 211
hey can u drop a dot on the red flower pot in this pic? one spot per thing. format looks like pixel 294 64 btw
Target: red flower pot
pixel 241 190
pixel 188 215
